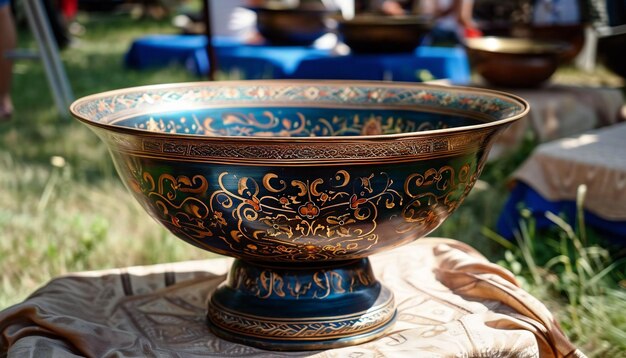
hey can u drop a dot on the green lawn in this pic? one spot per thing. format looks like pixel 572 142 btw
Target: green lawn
pixel 63 209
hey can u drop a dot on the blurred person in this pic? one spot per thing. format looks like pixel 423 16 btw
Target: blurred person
pixel 562 12
pixel 453 18
pixel 396 7
pixel 7 43
pixel 242 21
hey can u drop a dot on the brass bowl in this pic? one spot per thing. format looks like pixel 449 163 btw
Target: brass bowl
pixel 370 33
pixel 573 35
pixel 299 26
pixel 301 182
pixel 515 62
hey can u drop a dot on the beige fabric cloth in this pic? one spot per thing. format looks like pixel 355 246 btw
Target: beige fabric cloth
pixel 596 158
pixel 558 111
pixel 452 302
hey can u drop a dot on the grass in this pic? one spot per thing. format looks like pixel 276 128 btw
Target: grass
pixel 62 206
pixel 63 209
pixel 575 275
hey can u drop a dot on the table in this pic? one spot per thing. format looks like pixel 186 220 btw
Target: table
pixel 425 63
pixel 558 111
pixel 266 61
pixel 549 179
pixel 451 301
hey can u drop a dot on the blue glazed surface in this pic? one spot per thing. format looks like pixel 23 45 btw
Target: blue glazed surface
pixel 305 307
pixel 294 122
pixel 293 214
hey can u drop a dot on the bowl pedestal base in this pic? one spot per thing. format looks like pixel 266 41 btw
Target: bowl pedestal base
pixel 303 306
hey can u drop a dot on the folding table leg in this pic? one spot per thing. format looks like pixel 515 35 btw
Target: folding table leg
pixel 49 54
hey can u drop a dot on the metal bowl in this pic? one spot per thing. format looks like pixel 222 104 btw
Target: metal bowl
pixel 573 35
pixel 515 62
pixel 292 26
pixel 301 181
pixel 370 33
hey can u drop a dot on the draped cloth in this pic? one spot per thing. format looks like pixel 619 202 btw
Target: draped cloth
pixel 559 111
pixel 595 158
pixel 451 302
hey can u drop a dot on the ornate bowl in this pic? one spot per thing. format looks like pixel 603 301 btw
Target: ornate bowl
pixel 371 33
pixel 300 182
pixel 515 62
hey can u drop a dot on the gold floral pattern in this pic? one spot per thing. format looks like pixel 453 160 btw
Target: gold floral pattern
pixel 424 208
pixel 321 218
pixel 298 124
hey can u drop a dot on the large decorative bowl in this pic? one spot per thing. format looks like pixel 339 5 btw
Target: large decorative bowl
pixel 515 62
pixel 372 33
pixel 300 182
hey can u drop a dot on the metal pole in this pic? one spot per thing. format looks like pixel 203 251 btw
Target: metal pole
pixel 49 54
pixel 210 50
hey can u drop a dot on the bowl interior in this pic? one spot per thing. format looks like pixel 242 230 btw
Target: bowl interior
pixel 294 121
pixel 295 109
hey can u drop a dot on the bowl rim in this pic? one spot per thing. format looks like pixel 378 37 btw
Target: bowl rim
pixel 536 47
pixel 276 9
pixel 525 108
pixel 374 19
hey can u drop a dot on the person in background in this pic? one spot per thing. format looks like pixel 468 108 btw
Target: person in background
pixel 453 18
pixel 7 43
pixel 397 7
pixel 562 12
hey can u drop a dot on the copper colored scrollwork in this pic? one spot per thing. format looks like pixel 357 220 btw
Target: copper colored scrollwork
pixel 336 217
pixel 425 207
pixel 270 124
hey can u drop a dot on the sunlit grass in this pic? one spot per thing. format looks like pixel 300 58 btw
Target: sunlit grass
pixel 580 280
pixel 62 207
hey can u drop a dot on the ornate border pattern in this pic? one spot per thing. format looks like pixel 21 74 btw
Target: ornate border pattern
pixel 319 329
pixel 107 107
pixel 294 152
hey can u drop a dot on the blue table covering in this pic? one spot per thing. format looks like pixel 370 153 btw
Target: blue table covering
pixel 524 197
pixel 266 61
pixel 551 179
pixel 425 63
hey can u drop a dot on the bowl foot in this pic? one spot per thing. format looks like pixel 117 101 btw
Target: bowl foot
pixel 301 306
